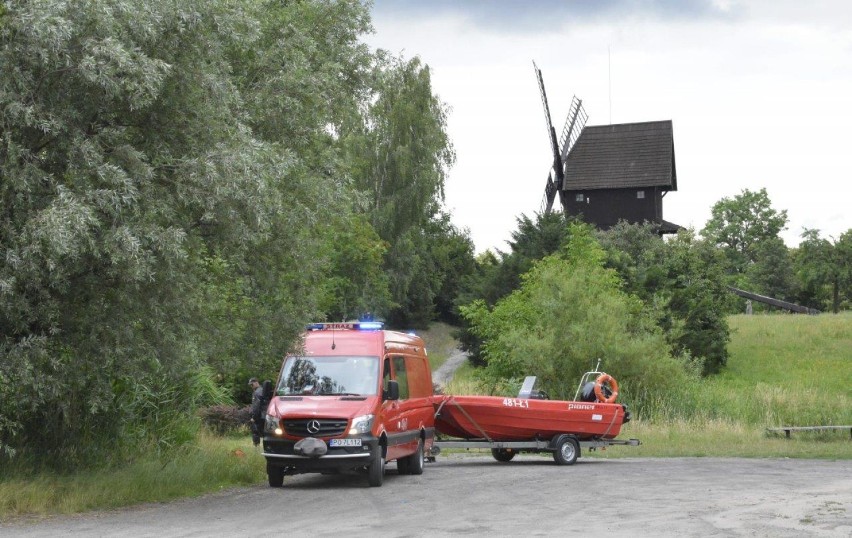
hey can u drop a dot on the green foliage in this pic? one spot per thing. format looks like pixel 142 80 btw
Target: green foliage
pixel 772 274
pixel 399 154
pixel 569 312
pixel 692 296
pixel 783 370
pixel 451 253
pixel 532 241
pixel 166 171
pixel 183 185
pixel 226 419
pixel 681 282
pixel 304 73
pixel 356 283
pixel 739 224
pixel 493 278
pixel 824 269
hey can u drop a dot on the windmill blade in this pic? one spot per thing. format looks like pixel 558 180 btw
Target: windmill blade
pixel 574 124
pixel 551 133
pixel 549 195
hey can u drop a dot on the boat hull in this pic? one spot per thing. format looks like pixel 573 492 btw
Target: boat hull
pixel 507 419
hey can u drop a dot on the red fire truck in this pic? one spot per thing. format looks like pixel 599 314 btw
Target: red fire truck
pixel 354 398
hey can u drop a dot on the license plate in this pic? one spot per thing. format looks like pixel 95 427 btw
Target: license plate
pixel 344 442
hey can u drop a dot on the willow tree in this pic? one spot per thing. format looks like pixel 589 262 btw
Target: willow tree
pixel 153 217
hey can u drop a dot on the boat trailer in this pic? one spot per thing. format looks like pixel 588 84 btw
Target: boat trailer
pixel 565 447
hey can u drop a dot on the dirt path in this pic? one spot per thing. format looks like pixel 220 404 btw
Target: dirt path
pixel 445 372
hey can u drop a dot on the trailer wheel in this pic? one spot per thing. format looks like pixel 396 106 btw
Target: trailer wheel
pixel 567 450
pixel 376 470
pixel 502 455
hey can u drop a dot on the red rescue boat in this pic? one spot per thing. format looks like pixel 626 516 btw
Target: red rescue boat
pixel 592 415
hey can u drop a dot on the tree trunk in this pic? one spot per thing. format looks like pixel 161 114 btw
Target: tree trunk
pixel 836 294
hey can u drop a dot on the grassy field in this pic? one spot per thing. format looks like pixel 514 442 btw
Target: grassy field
pixel 783 370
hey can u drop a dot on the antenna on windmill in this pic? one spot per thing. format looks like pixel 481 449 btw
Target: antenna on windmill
pixel 609 75
pixel 571 131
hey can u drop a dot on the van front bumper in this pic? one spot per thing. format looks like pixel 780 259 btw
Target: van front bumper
pixel 279 453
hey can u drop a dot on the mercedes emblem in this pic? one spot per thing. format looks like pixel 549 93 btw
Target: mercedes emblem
pixel 313 427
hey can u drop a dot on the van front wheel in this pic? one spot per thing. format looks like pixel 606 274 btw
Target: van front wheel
pixel 376 470
pixel 276 476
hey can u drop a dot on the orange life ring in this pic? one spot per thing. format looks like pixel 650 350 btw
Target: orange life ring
pixel 606 378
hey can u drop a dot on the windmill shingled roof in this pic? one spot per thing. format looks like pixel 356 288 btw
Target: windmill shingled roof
pixel 623 156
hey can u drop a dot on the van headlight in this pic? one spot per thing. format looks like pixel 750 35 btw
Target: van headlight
pixel 271 426
pixel 362 424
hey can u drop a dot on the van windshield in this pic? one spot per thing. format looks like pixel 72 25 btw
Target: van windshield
pixel 329 376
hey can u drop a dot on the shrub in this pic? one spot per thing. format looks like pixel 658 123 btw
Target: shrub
pixel 225 419
pixel 569 312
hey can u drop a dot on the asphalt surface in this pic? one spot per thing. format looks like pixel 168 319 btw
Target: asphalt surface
pixel 530 496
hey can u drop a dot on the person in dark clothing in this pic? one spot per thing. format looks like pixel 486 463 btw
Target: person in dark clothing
pixel 257 410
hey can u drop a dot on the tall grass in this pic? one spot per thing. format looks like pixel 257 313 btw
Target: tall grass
pixel 212 463
pixel 783 370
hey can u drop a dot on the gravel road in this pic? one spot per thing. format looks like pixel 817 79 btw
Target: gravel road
pixel 462 494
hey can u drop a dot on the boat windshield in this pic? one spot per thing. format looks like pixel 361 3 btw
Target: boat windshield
pixel 329 376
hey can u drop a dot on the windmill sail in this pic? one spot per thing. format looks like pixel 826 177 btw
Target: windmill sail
pixel 553 185
pixel 574 124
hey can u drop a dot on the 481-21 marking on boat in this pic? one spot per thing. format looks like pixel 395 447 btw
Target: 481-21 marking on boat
pixel 514 402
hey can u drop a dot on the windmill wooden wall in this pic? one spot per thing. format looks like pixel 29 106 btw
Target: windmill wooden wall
pixel 621 172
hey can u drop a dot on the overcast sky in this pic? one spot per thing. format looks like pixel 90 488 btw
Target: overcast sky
pixel 759 92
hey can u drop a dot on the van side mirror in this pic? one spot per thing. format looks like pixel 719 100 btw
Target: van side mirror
pixel 392 393
pixel 267 390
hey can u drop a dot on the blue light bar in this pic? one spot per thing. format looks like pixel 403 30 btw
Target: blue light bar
pixel 346 326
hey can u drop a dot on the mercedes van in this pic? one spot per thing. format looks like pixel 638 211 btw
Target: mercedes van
pixel 354 398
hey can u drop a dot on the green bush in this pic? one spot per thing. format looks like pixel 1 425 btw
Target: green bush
pixel 568 313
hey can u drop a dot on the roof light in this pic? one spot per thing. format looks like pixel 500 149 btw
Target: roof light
pixel 346 326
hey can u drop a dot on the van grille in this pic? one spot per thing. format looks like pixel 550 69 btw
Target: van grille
pixel 328 427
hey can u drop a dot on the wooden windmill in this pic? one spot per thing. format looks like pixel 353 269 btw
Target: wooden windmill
pixel 574 123
pixel 605 174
